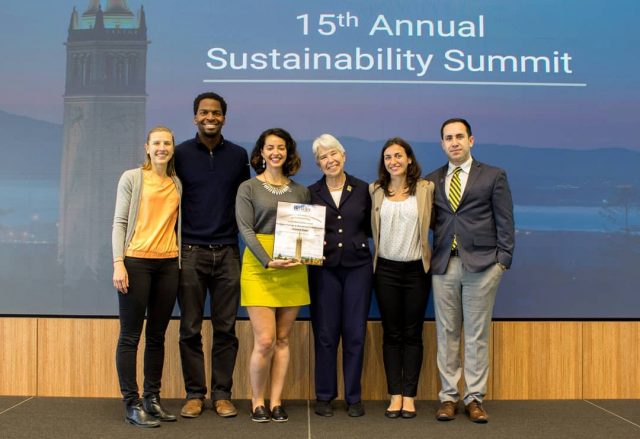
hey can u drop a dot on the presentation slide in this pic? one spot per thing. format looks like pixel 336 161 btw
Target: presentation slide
pixel 551 89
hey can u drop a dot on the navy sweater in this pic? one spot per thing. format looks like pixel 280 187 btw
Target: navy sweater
pixel 210 180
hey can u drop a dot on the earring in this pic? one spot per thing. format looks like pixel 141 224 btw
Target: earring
pixel 264 163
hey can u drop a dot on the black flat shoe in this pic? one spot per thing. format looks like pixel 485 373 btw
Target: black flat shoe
pixel 355 410
pixel 151 405
pixel 278 414
pixel 260 414
pixel 135 415
pixel 323 408
pixel 392 414
pixel 406 414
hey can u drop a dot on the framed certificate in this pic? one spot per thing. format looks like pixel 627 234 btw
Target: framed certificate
pixel 299 234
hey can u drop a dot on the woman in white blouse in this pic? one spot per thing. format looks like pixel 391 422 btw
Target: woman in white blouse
pixel 400 217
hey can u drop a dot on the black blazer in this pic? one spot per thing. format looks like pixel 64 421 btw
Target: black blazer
pixel 483 222
pixel 348 227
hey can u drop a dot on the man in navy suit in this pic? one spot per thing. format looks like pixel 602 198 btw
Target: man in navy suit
pixel 473 246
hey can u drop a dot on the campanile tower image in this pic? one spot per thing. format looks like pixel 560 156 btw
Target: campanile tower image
pixel 104 129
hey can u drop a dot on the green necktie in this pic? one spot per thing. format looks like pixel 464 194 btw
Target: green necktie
pixel 455 192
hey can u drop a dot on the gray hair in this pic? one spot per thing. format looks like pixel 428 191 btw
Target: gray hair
pixel 326 141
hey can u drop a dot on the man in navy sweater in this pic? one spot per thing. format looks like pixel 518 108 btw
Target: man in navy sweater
pixel 211 169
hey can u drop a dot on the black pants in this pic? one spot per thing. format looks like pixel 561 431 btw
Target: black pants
pixel 153 286
pixel 402 292
pixel 340 299
pixel 216 270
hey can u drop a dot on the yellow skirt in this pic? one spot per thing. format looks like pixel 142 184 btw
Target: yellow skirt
pixel 272 287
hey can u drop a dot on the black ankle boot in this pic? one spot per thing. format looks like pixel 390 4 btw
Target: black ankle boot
pixel 152 406
pixel 135 415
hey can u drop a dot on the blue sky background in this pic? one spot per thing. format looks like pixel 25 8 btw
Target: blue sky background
pixel 601 37
pixel 570 218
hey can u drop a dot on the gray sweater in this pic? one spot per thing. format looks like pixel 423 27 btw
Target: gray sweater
pixel 256 210
pixel 126 212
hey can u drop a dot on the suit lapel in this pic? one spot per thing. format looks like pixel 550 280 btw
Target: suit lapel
pixel 441 192
pixel 347 190
pixel 323 192
pixel 474 172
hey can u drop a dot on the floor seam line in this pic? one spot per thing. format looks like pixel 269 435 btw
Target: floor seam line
pixel 309 418
pixel 611 413
pixel 16 405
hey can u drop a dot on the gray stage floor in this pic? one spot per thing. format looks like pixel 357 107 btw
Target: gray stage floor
pixel 70 418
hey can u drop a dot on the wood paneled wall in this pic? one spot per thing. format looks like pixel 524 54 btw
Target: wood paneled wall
pixel 530 360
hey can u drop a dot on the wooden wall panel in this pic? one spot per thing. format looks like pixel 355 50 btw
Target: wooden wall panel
pixel 429 385
pixel 537 360
pixel 531 360
pixel 76 357
pixel 18 356
pixel 373 378
pixel 611 360
pixel 80 355
pixel 172 382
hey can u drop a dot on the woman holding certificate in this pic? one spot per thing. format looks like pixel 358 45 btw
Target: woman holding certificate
pixel 272 289
pixel 341 287
pixel 400 218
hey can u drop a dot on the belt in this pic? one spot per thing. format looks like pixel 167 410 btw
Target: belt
pixel 454 252
pixel 207 247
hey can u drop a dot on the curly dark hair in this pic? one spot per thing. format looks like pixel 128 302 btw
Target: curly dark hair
pixel 413 169
pixel 292 163
pixel 209 95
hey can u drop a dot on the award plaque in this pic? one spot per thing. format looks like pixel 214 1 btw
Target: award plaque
pixel 299 234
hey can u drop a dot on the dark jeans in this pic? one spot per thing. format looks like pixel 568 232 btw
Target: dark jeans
pixel 340 299
pixel 153 286
pixel 402 292
pixel 216 270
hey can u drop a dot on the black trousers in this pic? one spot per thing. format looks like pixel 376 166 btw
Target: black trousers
pixel 153 286
pixel 215 270
pixel 402 291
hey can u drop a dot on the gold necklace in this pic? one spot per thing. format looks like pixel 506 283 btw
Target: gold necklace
pixel 337 188
pixel 275 189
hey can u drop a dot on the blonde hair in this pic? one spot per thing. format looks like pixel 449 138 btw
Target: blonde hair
pixel 171 166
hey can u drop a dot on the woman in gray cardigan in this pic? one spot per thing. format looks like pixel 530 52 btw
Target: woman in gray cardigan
pixel 146 248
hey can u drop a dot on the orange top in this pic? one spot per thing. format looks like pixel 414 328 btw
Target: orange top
pixel 155 232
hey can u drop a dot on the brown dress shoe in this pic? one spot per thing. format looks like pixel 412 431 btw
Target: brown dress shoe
pixel 192 408
pixel 447 411
pixel 225 408
pixel 476 412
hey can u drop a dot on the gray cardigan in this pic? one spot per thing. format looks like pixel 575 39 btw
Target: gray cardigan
pixel 126 212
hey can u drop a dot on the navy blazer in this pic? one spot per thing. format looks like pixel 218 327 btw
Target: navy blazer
pixel 483 222
pixel 348 227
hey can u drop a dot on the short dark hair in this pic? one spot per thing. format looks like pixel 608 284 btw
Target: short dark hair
pixel 413 170
pixel 291 164
pixel 455 120
pixel 209 95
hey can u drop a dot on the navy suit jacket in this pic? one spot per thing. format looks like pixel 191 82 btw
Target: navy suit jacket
pixel 348 226
pixel 483 222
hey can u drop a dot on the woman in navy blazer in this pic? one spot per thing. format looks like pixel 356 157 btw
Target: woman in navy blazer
pixel 341 288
